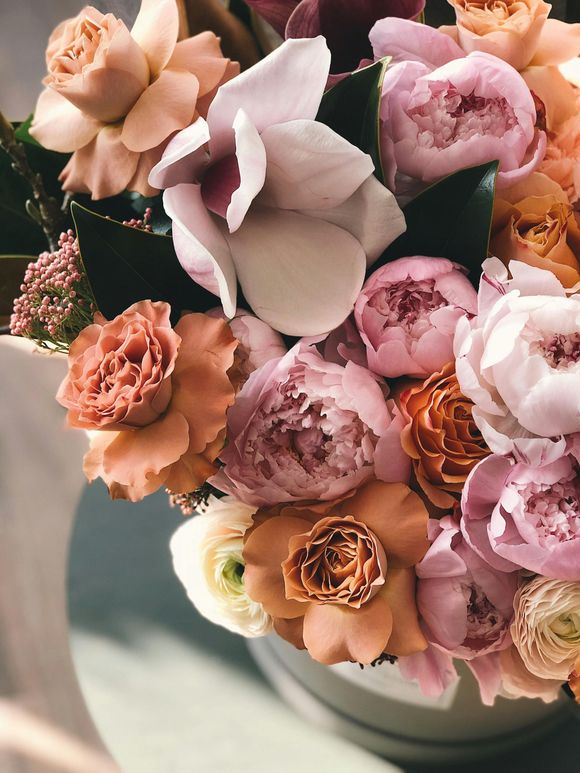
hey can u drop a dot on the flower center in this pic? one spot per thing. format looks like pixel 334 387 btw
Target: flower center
pixel 567 626
pixel 408 305
pixel 554 510
pixel 220 182
pixel 446 116
pixel 558 349
pixel 484 621
pixel 81 51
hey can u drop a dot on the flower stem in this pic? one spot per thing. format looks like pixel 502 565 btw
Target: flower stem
pixel 50 216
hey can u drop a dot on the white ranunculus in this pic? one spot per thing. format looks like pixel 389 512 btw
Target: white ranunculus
pixel 519 362
pixel 207 558
pixel 546 627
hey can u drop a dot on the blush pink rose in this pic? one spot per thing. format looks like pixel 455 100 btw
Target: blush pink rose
pixel 465 604
pixel 114 97
pixel 257 342
pixel 516 516
pixel 153 397
pixel 303 428
pixel 442 111
pixel 407 313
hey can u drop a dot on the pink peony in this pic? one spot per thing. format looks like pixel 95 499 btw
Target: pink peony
pixel 303 428
pixel 257 342
pixel 466 605
pixel 407 313
pixel 519 362
pixel 515 516
pixel 442 111
pixel 263 194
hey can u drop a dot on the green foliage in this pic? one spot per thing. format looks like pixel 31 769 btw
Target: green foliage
pixel 125 265
pixel 352 108
pixel 451 219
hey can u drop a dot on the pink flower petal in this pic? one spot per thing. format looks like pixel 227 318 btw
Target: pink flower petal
pixel 59 125
pixel 405 40
pixel 184 158
pixel 299 274
pixel 251 158
pixel 310 166
pixel 287 84
pixel 163 108
pixel 155 30
pixel 201 248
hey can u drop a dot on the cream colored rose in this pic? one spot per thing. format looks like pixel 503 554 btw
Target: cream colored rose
pixel 207 558
pixel 546 627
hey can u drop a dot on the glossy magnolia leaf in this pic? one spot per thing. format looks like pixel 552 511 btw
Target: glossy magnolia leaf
pixel 352 107
pixel 125 265
pixel 451 219
pixel 12 269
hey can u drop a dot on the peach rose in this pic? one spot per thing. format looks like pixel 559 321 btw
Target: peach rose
pixel 441 436
pixel 517 31
pixel 115 97
pixel 518 682
pixel 562 159
pixel 338 578
pixel 155 398
pixel 546 627
pixel 535 224
pixel 574 681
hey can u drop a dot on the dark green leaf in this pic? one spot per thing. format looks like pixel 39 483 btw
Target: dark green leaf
pixel 451 219
pixel 351 109
pixel 23 132
pixel 125 265
pixel 12 268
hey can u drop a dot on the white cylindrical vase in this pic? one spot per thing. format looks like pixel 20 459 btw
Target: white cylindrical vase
pixel 379 710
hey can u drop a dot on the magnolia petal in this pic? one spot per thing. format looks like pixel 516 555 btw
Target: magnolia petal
pixel 310 166
pixel 251 158
pixel 166 106
pixel 155 29
pixel 287 84
pixel 372 215
pixel 59 125
pixel 337 632
pixel 201 248
pixel 299 274
pixel 184 158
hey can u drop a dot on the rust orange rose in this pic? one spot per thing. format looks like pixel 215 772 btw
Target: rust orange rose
pixel 535 224
pixel 562 159
pixel 154 397
pixel 441 436
pixel 114 97
pixel 338 578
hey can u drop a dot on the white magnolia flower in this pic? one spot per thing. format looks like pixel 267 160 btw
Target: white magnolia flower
pixel 546 627
pixel 207 558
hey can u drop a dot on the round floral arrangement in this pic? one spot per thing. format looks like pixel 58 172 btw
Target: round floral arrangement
pixel 330 304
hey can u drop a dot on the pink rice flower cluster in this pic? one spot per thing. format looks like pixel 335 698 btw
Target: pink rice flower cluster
pixel 142 224
pixel 56 301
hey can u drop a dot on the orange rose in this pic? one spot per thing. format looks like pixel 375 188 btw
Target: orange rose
pixel 517 31
pixel 441 436
pixel 154 397
pixel 535 224
pixel 115 97
pixel 562 159
pixel 338 578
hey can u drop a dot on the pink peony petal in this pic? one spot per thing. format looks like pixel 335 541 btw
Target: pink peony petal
pixel 406 40
pixel 201 248
pixel 155 29
pixel 59 125
pixel 287 84
pixel 299 274
pixel 165 107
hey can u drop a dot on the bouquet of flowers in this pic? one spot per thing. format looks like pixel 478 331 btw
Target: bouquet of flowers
pixel 331 304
